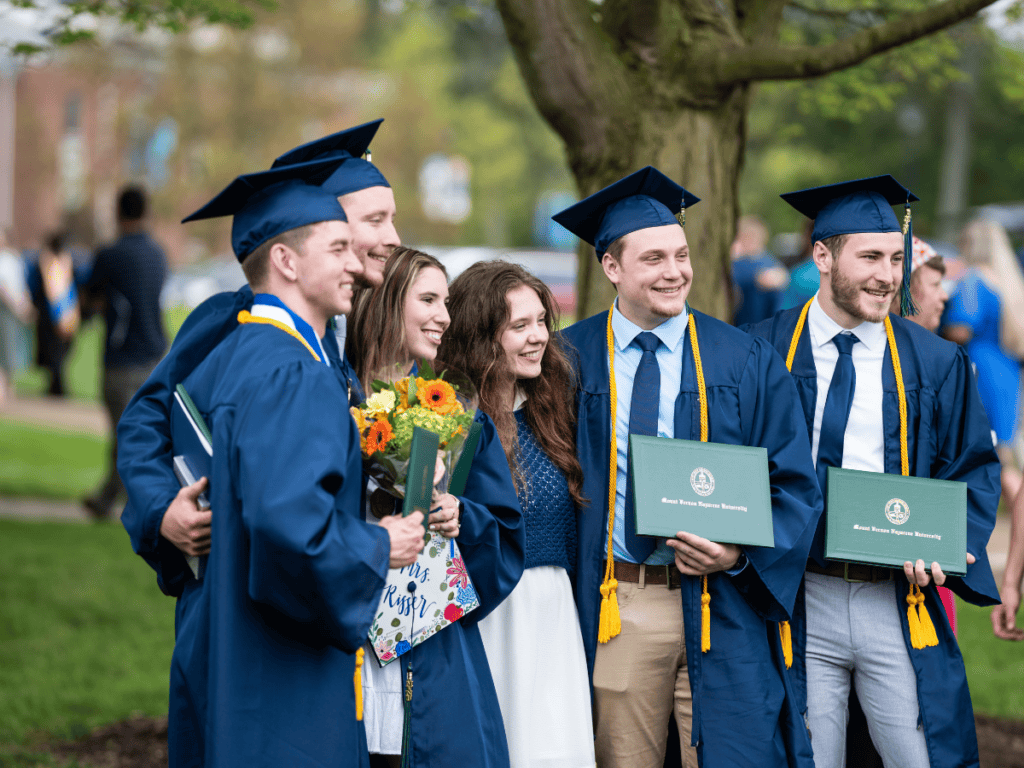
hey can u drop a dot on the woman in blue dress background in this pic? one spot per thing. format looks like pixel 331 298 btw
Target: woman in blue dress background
pixel 986 314
pixel 500 337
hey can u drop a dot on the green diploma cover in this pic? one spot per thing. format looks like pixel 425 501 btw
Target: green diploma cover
pixel 884 519
pixel 716 491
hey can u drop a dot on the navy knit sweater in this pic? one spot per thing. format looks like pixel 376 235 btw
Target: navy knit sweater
pixel 547 505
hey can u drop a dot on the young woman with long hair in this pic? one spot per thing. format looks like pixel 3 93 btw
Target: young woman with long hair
pixel 455 716
pixel 500 336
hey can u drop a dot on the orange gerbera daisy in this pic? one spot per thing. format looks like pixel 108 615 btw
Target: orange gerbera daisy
pixel 437 395
pixel 379 436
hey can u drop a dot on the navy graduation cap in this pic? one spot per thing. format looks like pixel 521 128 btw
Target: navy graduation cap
pixel 267 203
pixel 862 205
pixel 349 146
pixel 647 198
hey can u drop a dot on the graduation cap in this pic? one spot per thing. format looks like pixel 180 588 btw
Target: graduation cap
pixel 349 146
pixel 862 205
pixel 268 203
pixel 647 198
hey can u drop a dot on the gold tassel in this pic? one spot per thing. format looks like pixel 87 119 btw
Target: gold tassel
pixel 786 634
pixel 357 679
pixel 916 641
pixel 705 617
pixel 928 637
pixel 610 623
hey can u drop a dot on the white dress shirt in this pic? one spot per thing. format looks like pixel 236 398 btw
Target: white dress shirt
pixel 864 440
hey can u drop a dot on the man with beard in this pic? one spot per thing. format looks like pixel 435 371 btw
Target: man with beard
pixel 162 519
pixel 699 640
pixel 845 352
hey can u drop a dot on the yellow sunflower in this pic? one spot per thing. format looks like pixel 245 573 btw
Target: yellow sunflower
pixel 437 395
pixel 402 386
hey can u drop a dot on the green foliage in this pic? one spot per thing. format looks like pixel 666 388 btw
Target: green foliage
pixel 85 635
pixel 41 462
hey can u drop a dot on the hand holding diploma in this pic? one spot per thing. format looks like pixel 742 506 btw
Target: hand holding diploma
pixel 185 525
pixel 445 517
pixel 916 574
pixel 696 556
pixel 406 535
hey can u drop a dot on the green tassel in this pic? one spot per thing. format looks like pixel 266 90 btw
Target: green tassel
pixel 907 307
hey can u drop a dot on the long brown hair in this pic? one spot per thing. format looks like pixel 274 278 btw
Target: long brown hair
pixel 375 337
pixel 479 310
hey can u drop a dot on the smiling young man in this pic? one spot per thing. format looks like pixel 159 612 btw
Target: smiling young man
pixel 162 519
pixel 268 643
pixel 728 701
pixel 842 345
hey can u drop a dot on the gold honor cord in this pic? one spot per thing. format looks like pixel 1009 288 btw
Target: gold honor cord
pixel 610 622
pixel 922 630
pixel 244 317
pixel 357 681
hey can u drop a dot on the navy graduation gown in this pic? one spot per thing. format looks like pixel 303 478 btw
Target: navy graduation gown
pixel 262 670
pixel 456 719
pixel 741 716
pixel 143 433
pixel 948 437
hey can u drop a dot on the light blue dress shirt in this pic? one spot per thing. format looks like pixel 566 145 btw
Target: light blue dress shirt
pixel 627 358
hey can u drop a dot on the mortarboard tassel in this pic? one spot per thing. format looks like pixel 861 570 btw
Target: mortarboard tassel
pixel 786 635
pixel 357 679
pixel 369 155
pixel 907 307
pixel 681 216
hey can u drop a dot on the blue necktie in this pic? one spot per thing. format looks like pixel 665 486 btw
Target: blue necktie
pixel 837 409
pixel 643 420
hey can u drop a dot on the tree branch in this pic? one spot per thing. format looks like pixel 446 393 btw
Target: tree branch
pixel 848 15
pixel 573 74
pixel 725 66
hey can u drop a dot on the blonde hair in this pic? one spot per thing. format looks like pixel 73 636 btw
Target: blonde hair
pixel 985 245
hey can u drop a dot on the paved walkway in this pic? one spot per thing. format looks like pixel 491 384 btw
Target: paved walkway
pixel 74 415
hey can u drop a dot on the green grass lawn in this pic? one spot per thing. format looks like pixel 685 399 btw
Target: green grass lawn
pixel 85 634
pixel 49 463
pixel 995 668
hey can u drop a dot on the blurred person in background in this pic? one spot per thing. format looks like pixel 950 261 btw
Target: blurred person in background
pixel 15 313
pixel 804 278
pixel 986 315
pixel 759 279
pixel 126 279
pixel 1004 616
pixel 52 286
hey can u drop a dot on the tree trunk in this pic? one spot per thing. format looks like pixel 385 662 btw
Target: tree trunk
pixel 703 151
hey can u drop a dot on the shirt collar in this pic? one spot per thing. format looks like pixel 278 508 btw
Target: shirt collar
pixel 669 332
pixel 269 305
pixel 823 329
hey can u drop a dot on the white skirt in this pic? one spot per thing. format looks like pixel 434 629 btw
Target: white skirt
pixel 383 714
pixel 535 650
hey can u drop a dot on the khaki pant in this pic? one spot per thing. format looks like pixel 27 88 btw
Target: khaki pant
pixel 641 679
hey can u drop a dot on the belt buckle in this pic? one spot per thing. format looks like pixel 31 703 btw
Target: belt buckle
pixel 668 575
pixel 846 576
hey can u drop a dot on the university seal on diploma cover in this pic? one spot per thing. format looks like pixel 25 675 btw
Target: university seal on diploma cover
pixel 713 490
pixel 883 519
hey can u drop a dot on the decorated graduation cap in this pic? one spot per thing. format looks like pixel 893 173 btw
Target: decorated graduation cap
pixel 269 203
pixel 647 198
pixel 862 205
pixel 348 146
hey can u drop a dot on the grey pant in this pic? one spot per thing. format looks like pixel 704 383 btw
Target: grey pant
pixel 119 386
pixel 854 634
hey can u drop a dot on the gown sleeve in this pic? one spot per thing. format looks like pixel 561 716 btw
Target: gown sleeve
pixel 773 575
pixel 965 453
pixel 492 535
pixel 144 457
pixel 312 558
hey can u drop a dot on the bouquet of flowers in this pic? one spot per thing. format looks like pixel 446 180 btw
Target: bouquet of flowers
pixel 387 418
pixel 444 590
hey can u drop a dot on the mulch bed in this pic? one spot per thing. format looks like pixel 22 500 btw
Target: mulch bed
pixel 142 743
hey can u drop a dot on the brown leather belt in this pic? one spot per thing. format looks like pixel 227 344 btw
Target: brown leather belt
pixel 853 572
pixel 653 574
